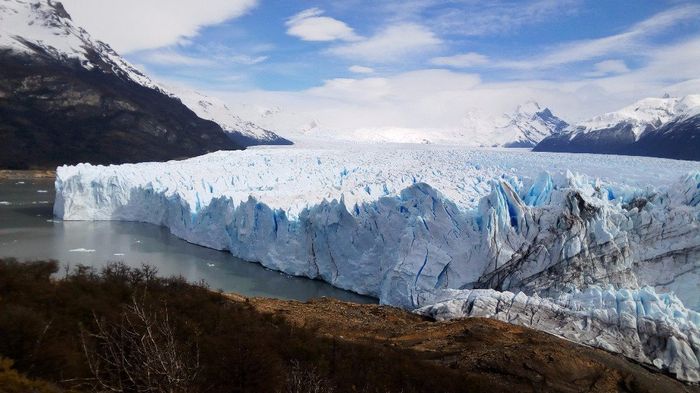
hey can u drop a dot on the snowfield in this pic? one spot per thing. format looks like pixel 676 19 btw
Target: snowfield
pixel 604 250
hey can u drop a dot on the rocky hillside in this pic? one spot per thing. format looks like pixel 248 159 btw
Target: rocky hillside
pixel 66 98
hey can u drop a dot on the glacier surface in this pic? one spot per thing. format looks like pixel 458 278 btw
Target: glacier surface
pixel 604 250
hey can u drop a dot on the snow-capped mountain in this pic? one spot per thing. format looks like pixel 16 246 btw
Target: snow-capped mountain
pixel 529 124
pixel 525 127
pixel 67 98
pixel 644 115
pixel 44 28
pixel 31 27
pixel 240 131
pixel 659 127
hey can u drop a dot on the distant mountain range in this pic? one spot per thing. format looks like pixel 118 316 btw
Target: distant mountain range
pixel 67 98
pixel 527 125
pixel 659 127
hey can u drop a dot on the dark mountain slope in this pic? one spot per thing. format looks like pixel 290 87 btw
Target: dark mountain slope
pixel 68 105
pixel 679 139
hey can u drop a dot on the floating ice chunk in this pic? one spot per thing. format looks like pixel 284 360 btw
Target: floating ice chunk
pixel 87 250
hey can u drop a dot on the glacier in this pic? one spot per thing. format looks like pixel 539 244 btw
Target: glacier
pixel 603 250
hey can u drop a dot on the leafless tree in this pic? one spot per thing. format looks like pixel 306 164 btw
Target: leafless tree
pixel 140 353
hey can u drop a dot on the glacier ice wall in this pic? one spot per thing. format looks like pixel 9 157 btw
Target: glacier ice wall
pixel 387 225
pixel 641 324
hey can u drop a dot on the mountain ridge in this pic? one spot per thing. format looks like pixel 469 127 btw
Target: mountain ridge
pixel 66 98
pixel 667 127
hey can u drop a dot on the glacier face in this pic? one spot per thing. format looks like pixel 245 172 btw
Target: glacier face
pixel 421 226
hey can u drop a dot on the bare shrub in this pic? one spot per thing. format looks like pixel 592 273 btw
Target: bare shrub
pixel 140 353
pixel 302 379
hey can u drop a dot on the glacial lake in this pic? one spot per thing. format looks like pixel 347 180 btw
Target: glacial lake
pixel 28 231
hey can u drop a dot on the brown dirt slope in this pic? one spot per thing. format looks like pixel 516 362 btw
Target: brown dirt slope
pixel 506 357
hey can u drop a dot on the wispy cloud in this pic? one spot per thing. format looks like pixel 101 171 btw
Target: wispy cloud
pixel 465 60
pixel 310 25
pixel 247 59
pixel 608 67
pixel 171 57
pixel 481 18
pixel 214 58
pixel 391 44
pixel 633 40
pixel 360 69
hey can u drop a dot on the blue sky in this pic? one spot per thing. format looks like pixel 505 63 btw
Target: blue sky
pixel 257 49
pixel 579 57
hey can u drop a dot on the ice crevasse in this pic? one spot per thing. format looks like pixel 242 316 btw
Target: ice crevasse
pixel 503 235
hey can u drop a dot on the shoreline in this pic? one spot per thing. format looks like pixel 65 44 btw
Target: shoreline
pixel 12 174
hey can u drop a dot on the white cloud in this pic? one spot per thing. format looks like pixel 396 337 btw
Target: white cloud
pixel 309 25
pixel 398 88
pixel 361 69
pixel 391 44
pixel 633 40
pixel 247 59
pixel 174 58
pixel 130 25
pixel 667 66
pixel 465 60
pixel 477 18
pixel 170 57
pixel 608 67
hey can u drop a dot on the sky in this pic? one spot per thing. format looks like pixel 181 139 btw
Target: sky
pixel 408 63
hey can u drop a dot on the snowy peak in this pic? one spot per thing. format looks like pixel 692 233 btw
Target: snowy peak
pixel 657 127
pixel 644 115
pixel 27 25
pixel 525 127
pixel 44 28
pixel 530 124
pixel 239 130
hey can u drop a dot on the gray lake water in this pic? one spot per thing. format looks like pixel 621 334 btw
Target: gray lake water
pixel 28 231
